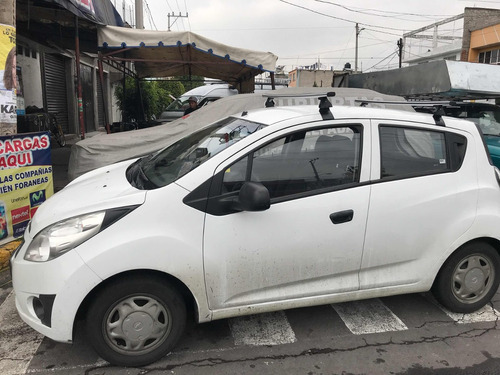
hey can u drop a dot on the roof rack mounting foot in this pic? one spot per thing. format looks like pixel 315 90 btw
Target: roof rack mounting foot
pixel 438 115
pixel 269 102
pixel 324 106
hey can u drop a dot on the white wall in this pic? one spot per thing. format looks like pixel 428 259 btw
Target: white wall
pixel 32 79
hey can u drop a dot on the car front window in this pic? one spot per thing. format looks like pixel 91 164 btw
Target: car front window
pixel 173 162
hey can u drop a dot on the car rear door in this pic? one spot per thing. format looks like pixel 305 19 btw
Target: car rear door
pixel 423 198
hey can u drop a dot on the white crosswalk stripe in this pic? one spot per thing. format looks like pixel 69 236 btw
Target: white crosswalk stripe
pixel 368 316
pixel 18 341
pixel 262 329
pixel 485 314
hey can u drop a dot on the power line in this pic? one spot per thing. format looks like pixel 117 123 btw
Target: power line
pixel 186 9
pixel 381 61
pixel 339 18
pixel 368 10
pixel 151 20
pixel 168 4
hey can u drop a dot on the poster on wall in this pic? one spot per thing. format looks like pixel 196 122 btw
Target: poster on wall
pixel 25 181
pixel 21 108
pixel 8 81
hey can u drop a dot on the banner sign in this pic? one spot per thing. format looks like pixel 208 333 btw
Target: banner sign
pixel 86 4
pixel 25 180
pixel 8 82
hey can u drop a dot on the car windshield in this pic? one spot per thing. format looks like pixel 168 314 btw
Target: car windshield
pixel 174 161
pixel 179 104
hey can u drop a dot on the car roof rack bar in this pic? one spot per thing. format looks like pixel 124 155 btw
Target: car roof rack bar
pixel 437 104
pixel 428 103
pixel 324 103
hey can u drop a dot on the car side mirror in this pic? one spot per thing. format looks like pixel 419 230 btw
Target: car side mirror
pixel 253 196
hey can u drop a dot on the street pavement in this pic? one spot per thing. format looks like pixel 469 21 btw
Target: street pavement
pixel 401 335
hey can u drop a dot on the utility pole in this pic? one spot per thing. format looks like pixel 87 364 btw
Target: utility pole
pixel 8 102
pixel 139 15
pixel 358 30
pixel 176 17
pixel 400 51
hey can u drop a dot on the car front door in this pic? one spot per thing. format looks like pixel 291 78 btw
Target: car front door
pixel 310 241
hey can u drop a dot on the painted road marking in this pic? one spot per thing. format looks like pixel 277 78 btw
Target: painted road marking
pixel 368 316
pixel 19 341
pixel 262 329
pixel 485 314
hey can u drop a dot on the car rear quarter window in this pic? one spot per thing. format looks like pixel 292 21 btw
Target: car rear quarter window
pixel 407 152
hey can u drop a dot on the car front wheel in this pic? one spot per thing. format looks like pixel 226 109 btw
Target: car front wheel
pixel 469 278
pixel 135 321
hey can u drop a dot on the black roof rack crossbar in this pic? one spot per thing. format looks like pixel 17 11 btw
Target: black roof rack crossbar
pixel 438 111
pixel 324 103
pixel 427 103
pixel 278 95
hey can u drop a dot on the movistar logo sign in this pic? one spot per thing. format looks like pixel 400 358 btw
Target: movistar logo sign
pixel 37 198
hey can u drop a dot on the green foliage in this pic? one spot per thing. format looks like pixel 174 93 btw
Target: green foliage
pixel 155 98
pixel 190 84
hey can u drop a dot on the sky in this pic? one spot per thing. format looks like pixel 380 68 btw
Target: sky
pixel 303 32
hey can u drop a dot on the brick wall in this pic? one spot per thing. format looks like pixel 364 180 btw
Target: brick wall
pixel 475 19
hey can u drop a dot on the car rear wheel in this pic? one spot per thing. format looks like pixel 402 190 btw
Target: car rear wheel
pixel 469 278
pixel 135 321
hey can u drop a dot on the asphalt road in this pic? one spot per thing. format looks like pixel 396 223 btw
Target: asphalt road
pixel 402 335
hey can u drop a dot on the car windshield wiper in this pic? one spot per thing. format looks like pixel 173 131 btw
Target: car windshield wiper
pixel 137 177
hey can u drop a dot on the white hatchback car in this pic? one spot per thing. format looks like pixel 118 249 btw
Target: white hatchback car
pixel 271 209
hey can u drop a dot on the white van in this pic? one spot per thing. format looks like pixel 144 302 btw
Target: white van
pixel 204 94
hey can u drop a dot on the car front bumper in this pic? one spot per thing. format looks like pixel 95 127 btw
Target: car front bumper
pixel 49 294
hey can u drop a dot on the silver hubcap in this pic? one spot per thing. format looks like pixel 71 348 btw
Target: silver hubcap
pixel 137 325
pixel 473 278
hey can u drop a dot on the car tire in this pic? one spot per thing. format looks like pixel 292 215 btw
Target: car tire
pixel 135 321
pixel 469 278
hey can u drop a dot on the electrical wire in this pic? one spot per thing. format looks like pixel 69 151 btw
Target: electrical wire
pixel 151 20
pixel 187 15
pixel 392 14
pixel 339 18
pixel 381 61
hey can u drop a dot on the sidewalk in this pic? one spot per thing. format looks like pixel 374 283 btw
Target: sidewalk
pixel 60 160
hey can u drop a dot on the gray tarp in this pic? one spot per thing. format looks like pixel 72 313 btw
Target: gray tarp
pixel 104 149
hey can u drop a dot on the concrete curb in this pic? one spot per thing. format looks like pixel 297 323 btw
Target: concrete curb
pixel 5 251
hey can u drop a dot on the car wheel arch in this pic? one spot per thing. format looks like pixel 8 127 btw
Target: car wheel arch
pixel 493 243
pixel 192 305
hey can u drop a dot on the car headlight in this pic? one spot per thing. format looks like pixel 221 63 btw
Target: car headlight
pixel 63 236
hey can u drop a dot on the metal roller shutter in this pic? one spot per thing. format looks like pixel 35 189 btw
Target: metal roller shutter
pixel 55 88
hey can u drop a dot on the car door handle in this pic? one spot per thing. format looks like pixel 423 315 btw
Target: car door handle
pixel 342 216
